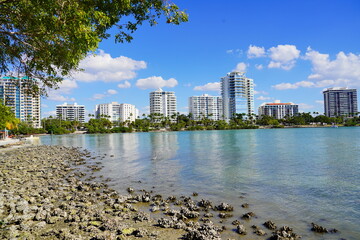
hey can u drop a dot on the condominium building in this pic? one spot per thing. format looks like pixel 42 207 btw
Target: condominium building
pixel 117 111
pixel 26 107
pixel 162 102
pixel 278 110
pixel 340 102
pixel 71 112
pixel 237 93
pixel 206 106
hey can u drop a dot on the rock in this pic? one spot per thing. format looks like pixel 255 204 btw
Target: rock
pixel 284 233
pixel 206 231
pixel 224 207
pixel 248 216
pixel 270 225
pixel 240 229
pixel 260 232
pixel 245 205
pixel 235 222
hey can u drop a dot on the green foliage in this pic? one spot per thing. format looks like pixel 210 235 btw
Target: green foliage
pixel 7 118
pixel 101 125
pixel 121 130
pixel 46 40
pixel 350 122
pixel 59 126
pixel 27 129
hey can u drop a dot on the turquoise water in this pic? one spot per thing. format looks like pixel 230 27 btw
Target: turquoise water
pixel 292 176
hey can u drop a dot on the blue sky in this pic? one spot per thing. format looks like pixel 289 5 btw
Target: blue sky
pixel 292 50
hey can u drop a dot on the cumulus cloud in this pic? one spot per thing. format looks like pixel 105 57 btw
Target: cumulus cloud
pixel 283 56
pixel 262 98
pixel 304 106
pixel 344 70
pixel 321 102
pixel 56 96
pixel 103 67
pixel 259 66
pixel 49 113
pixel 285 86
pixel 111 91
pixel 126 84
pixel 155 82
pixel 256 52
pixel 260 92
pixel 98 96
pixel 215 86
pixel 240 67
pixel 234 51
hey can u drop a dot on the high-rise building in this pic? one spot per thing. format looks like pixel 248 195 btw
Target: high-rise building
pixel 26 107
pixel 340 102
pixel 237 94
pixel 278 110
pixel 117 111
pixel 162 102
pixel 206 106
pixel 71 112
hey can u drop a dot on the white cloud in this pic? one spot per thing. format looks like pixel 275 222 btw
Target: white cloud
pixel 234 51
pixel 187 85
pixel 126 84
pixel 344 70
pixel 56 96
pixel 321 102
pixel 259 66
pixel 155 82
pixel 255 52
pixel 263 98
pixel 49 113
pixel 43 105
pixel 240 67
pixel 285 86
pixel 283 56
pixel 304 106
pixel 260 92
pixel 111 91
pixel 66 86
pixel 215 86
pixel 98 96
pixel 103 67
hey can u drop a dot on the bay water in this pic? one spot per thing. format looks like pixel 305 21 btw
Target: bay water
pixel 292 176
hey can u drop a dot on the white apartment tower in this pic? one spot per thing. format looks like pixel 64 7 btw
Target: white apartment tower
pixel 26 107
pixel 71 112
pixel 162 102
pixel 117 111
pixel 237 94
pixel 206 106
pixel 278 110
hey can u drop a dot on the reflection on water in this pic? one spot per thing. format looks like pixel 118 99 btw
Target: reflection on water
pixel 300 174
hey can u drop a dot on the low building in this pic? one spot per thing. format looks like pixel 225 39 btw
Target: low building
pixel 278 110
pixel 71 112
pixel 206 106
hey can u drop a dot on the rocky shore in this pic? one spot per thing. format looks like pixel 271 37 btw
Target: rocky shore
pixel 48 192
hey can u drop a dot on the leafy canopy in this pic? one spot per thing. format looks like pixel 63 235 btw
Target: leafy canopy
pixel 46 39
pixel 7 118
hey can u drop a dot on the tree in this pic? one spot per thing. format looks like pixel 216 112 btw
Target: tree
pixel 46 40
pixel 7 118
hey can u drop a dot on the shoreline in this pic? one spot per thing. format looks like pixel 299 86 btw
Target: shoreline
pixel 49 191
